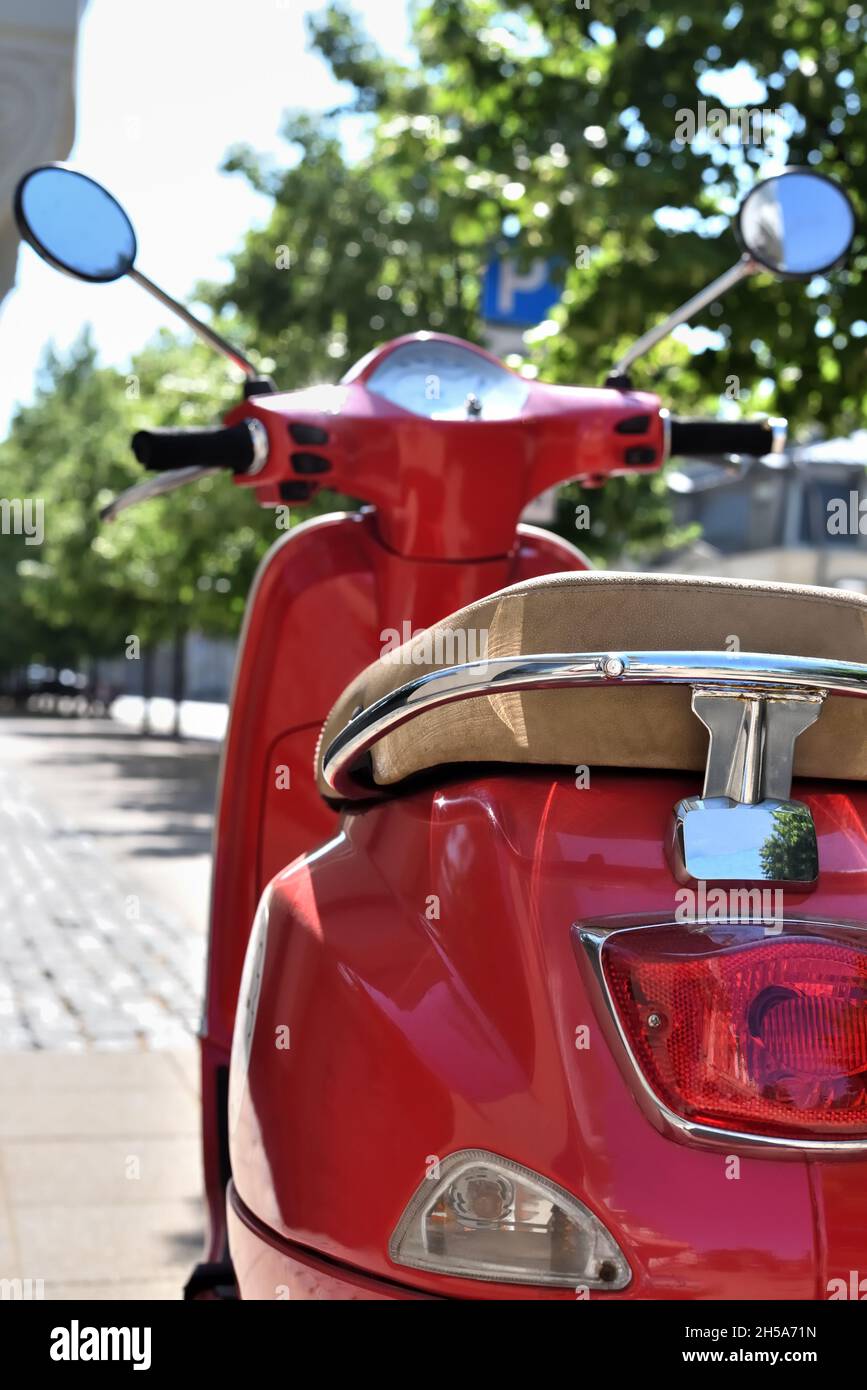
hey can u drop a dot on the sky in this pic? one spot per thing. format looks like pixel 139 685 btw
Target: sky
pixel 163 90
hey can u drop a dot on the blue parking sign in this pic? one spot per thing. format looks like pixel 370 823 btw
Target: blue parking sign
pixel 519 296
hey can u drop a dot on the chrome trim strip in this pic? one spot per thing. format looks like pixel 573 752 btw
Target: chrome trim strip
pixel 747 672
pixel 592 940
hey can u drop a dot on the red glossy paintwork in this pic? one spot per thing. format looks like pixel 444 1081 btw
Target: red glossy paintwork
pixel 413 1037
pixel 324 595
pixel 270 1269
pixel 451 489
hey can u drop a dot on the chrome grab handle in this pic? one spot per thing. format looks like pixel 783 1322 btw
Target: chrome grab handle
pixel 718 672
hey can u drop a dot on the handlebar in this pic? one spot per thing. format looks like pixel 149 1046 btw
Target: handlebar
pixel 181 456
pixel 237 447
pixel 753 437
pixel 211 446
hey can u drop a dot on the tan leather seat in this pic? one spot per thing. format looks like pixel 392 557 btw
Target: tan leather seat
pixel 641 727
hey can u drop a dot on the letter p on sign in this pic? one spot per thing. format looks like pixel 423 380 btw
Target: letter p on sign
pixel 514 282
pixel 519 295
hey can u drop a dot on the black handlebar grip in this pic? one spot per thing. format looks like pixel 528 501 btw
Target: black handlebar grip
pixel 754 437
pixel 214 446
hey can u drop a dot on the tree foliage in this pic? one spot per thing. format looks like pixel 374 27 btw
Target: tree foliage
pixel 564 119
pixel 165 566
pixel 554 129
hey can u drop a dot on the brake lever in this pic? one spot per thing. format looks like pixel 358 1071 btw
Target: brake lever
pixel 153 487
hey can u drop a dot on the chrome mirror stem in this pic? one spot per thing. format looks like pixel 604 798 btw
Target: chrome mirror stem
pixel 720 286
pixel 208 335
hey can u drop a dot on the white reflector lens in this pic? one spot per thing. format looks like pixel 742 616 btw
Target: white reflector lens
pixel 484 1217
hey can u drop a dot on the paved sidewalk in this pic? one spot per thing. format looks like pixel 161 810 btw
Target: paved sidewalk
pixel 86 958
pixel 98 947
pixel 104 842
pixel 100 1176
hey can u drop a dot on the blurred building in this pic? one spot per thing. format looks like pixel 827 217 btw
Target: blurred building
pixel 802 520
pixel 37 100
pixel 209 665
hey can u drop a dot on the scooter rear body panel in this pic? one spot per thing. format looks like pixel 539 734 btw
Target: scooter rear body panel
pixel 323 599
pixel 419 993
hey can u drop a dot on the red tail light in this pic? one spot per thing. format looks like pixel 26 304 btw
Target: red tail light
pixel 745 1032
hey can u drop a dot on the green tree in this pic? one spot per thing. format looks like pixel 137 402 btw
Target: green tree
pixel 25 637
pixel 352 255
pixel 788 854
pixel 551 129
pixel 159 569
pixel 560 123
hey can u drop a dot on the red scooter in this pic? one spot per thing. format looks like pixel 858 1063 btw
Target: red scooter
pixel 538 954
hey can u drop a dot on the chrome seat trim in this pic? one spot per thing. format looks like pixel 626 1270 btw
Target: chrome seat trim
pixel 743 673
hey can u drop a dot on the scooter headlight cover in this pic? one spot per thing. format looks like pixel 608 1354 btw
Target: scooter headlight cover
pixel 484 1217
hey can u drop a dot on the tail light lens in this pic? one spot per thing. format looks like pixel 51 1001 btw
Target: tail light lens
pixel 738 1030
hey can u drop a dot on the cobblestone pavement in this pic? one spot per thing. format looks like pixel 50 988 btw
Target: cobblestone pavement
pixel 90 955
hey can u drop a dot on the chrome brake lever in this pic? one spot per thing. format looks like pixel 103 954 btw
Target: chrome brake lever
pixel 153 487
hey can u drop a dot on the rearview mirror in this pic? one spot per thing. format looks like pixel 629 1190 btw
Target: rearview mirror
pixel 75 224
pixel 796 223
